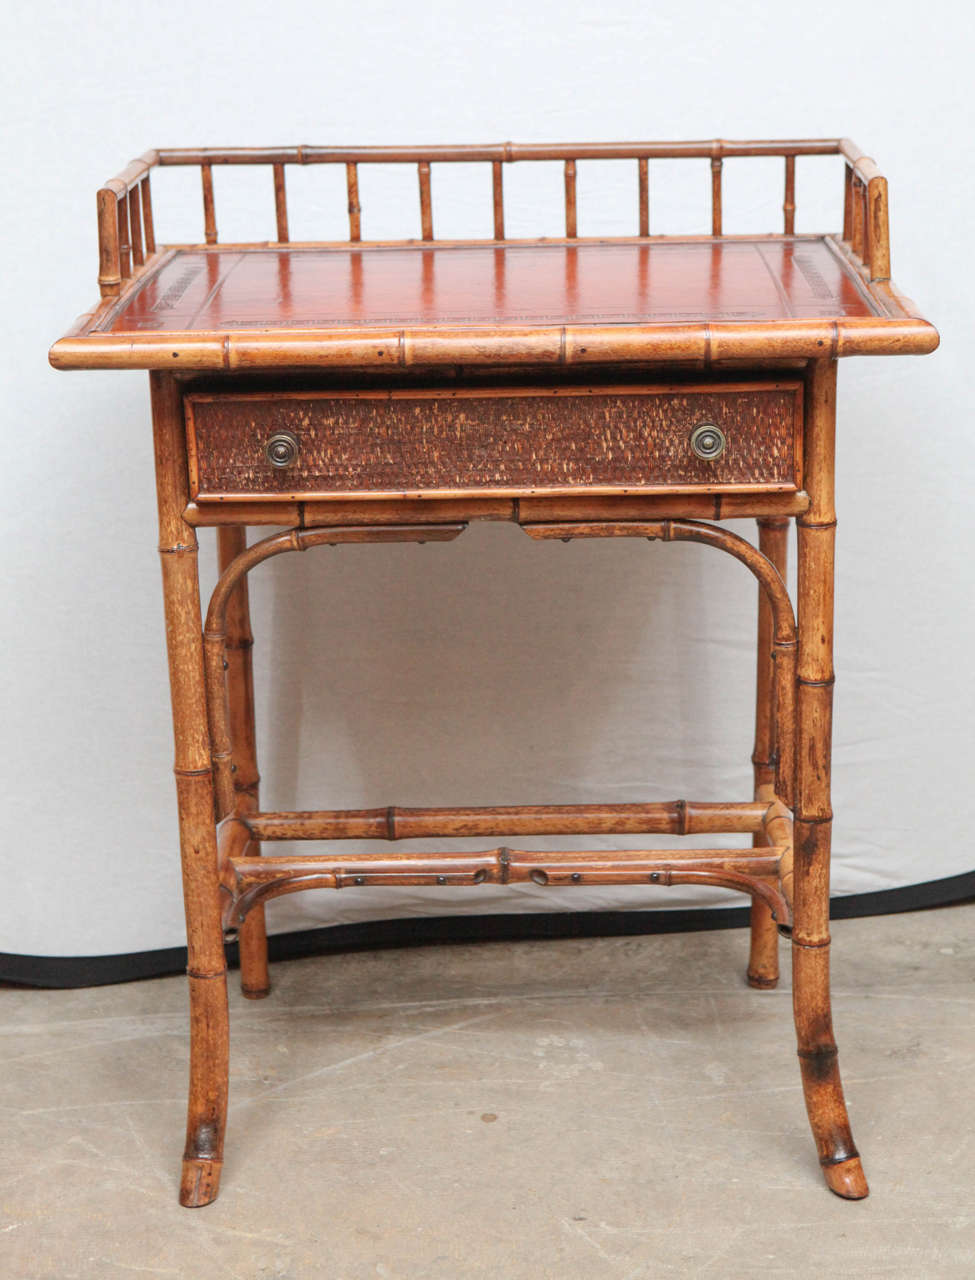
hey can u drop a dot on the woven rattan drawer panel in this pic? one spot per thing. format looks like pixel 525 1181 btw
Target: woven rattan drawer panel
pixel 504 442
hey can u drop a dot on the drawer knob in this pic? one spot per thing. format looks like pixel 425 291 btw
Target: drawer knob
pixel 282 449
pixel 707 441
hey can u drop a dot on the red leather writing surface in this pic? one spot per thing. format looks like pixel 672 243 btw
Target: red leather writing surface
pixel 328 288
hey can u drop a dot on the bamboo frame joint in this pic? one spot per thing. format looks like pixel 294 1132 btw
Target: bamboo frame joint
pixel 811 944
pixel 820 1053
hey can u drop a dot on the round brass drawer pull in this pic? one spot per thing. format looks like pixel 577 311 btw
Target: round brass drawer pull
pixel 707 441
pixel 282 449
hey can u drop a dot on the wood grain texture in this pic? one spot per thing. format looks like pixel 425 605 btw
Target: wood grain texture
pixel 622 282
pixel 519 441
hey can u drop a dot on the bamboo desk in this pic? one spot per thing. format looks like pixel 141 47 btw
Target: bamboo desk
pixel 358 391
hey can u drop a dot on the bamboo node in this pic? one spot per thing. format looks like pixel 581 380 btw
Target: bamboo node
pixel 819 1053
pixel 681 807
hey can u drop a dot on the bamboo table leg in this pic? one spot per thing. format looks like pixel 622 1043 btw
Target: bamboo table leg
pixel 813 815
pixel 763 962
pixel 231 540
pixel 209 1037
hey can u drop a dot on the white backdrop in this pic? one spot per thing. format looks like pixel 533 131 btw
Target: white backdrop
pixel 491 670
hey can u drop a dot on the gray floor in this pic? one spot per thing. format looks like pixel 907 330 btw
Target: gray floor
pixel 615 1108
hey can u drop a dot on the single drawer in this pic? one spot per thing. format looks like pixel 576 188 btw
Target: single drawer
pixel 503 442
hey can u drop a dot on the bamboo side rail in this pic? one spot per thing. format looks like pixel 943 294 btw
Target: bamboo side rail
pixel 369 511
pixel 126 233
pixel 678 818
pixel 502 152
pixel 250 881
pixel 706 345
pixel 866 220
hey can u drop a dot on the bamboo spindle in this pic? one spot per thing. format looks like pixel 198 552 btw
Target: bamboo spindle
pixel 209 212
pixel 109 269
pixel 355 209
pixel 124 245
pixel 763 963
pixel 145 194
pixel 822 1088
pixel 280 204
pixel 858 235
pixel 848 204
pixel 878 229
pixel 219 720
pixel 570 200
pixel 426 203
pixel 209 1028
pixel 497 189
pixel 716 164
pixel 643 179
pixel 135 227
pixel 789 201
pixel 237 651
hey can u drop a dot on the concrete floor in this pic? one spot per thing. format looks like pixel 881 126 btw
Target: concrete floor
pixel 615 1108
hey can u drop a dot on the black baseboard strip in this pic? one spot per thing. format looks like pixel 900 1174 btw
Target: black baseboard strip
pixel 96 971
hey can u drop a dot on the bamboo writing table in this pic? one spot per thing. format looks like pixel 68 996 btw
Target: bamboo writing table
pixel 358 391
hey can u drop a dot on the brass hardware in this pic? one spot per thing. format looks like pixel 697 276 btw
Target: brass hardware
pixel 707 441
pixel 282 449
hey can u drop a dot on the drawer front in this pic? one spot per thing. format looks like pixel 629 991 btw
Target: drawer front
pixel 508 442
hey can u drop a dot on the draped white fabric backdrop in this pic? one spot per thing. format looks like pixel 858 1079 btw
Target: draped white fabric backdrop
pixel 492 670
